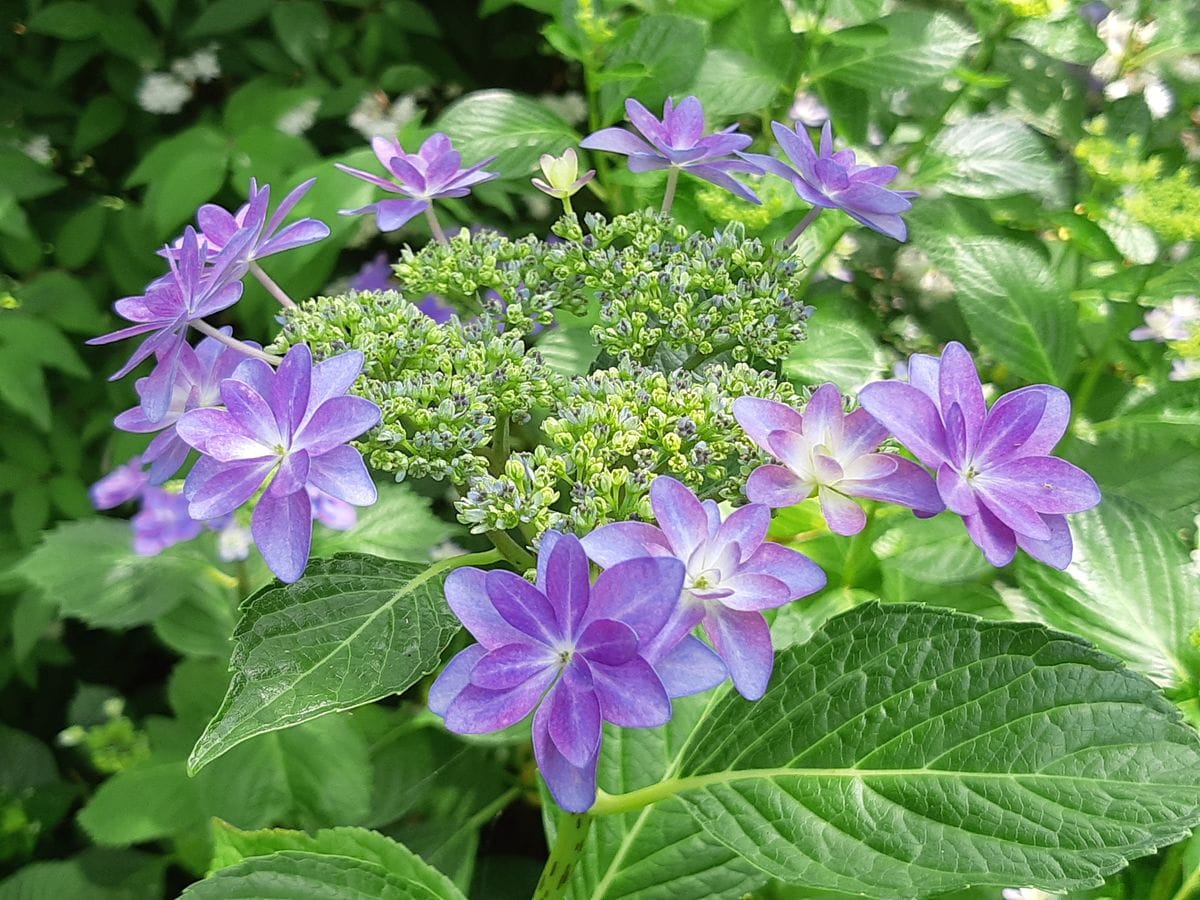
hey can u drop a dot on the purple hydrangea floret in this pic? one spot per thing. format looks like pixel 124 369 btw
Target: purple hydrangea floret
pixel 831 453
pixel 197 385
pixel 432 173
pixel 732 573
pixel 678 141
pixel 192 290
pixel 836 180
pixel 290 427
pixel 993 466
pixel 124 483
pixel 219 227
pixel 163 521
pixel 574 651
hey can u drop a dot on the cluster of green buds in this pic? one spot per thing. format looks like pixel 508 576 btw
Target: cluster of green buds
pixel 447 393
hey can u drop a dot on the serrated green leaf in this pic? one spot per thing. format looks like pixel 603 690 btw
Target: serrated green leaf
pixel 921 48
pixel 354 629
pixel 837 350
pixel 907 750
pixel 1014 306
pixel 1129 589
pixel 992 156
pixel 399 525
pixel 730 83
pixel 514 129
pixel 670 47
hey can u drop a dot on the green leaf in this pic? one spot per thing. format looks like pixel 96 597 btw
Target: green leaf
pixel 293 875
pixel 992 156
pixel 94 874
pixel 167 154
pixel 225 16
pixel 144 803
pixel 920 48
pixel 1070 38
pixel 907 750
pixel 328 771
pixel 513 128
pixel 399 525
pixel 837 350
pixel 72 20
pixel 63 300
pixel 195 177
pixel 1129 589
pixel 232 847
pixel 730 83
pixel 352 630
pixel 1014 306
pixel 24 178
pixel 103 117
pixel 80 236
pixel 670 47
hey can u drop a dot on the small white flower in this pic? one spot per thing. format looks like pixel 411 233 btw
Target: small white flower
pixel 1185 370
pixel 1159 99
pixel 202 66
pixel 570 106
pixel 1173 321
pixel 299 118
pixel 373 117
pixel 234 542
pixel 808 109
pixel 162 93
pixel 39 149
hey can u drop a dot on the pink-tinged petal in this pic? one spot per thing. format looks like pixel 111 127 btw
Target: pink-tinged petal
pixel 341 473
pixel 1056 550
pixel 746 527
pixel 573 718
pixel 282 530
pixel 450 683
pixel 631 695
pixel 478 710
pixel 611 544
pixel 572 787
pixel 523 606
pixel 795 450
pixel 214 489
pixel 860 434
pixel 642 593
pixel 956 492
pixel 689 668
pixel 616 140
pixel 1026 422
pixel 466 593
pixel 679 515
pixel 845 517
pixel 291 476
pixel 958 385
pixel 251 414
pixel 799 148
pixel 776 487
pixel 872 466
pixel 799 574
pixel 997 541
pixel 390 215
pixel 567 583
pixel 1046 483
pixel 338 420
pixel 215 432
pixel 754 592
pixel 924 373
pixel 712 511
pixel 743 641
pixel 1013 512
pixel 759 417
pixel 333 377
pixel 298 234
pixel 826 469
pixel 290 390
pixel 386 149
pixel 909 415
pixel 384 183
pixel 507 667
pixel 907 485
pixel 608 642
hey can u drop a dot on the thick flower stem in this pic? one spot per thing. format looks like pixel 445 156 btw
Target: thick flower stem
pixel 512 551
pixel 669 194
pixel 568 846
pixel 229 341
pixel 435 226
pixel 272 288
pixel 809 218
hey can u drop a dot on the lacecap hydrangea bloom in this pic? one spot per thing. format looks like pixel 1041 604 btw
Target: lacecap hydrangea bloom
pixel 993 466
pixel 572 650
pixel 732 573
pixel 291 427
pixel 831 453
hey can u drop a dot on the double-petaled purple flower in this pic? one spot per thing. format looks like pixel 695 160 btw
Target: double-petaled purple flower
pixel 432 173
pixel 994 467
pixel 830 180
pixel 731 574
pixel 831 453
pixel 573 650
pixel 678 141
pixel 197 385
pixel 289 427
pixel 192 290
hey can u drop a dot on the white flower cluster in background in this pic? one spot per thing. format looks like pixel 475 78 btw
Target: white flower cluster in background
pixel 299 118
pixel 1123 38
pixel 165 93
pixel 375 116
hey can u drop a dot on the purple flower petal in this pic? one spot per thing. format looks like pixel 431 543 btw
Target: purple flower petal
pixel 910 415
pixel 997 541
pixel 759 417
pixel 607 642
pixel 746 526
pixel 871 199
pixel 333 377
pixel 573 717
pixel 958 386
pixel 776 487
pixel 632 695
pixel 956 492
pixel 217 433
pixel 616 140
pixel 391 214
pixel 907 485
pixel 861 433
pixel 478 710
pixel 290 389
pixel 689 668
pixel 568 583
pixel 572 787
pixel 754 592
pixel 372 179
pixel 450 683
pixel 250 413
pixel 743 641
pixel 466 593
pixel 845 517
pixel 214 488
pixel 611 544
pixel 506 667
pixel 298 234
pixel 642 593
pixel 291 476
pixel 338 420
pixel 282 529
pixel 522 605
pixel 717 175
pixel 679 515
pixel 341 473
pixel 800 574
pixel 1027 422
pixel 1044 483
pixel 1056 550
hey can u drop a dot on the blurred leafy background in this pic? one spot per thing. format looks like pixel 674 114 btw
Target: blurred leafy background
pixel 1056 156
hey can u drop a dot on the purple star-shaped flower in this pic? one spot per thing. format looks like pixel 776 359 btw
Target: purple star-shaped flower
pixel 192 290
pixel 219 227
pixel 731 574
pixel 432 173
pixel 832 180
pixel 993 466
pixel 827 452
pixel 197 385
pixel 290 426
pixel 678 141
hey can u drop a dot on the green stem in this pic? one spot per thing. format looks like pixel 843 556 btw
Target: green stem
pixel 500 449
pixel 1190 886
pixel 694 361
pixel 482 558
pixel 568 847
pixel 811 266
pixel 511 550
pixel 272 288
pixel 669 194
pixel 859 549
